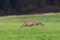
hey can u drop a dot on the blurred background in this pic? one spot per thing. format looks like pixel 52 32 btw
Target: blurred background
pixel 22 7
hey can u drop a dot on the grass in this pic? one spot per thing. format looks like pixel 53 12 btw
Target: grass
pixel 10 28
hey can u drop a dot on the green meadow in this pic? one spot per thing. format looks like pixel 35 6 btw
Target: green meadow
pixel 10 27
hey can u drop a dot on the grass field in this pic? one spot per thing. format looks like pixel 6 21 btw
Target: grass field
pixel 10 28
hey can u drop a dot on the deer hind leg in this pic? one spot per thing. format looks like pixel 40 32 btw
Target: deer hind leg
pixel 41 24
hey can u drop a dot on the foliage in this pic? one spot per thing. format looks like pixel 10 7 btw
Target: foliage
pixel 25 6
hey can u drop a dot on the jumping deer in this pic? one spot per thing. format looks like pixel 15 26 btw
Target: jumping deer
pixel 32 23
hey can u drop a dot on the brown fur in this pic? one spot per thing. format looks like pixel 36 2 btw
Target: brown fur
pixel 29 24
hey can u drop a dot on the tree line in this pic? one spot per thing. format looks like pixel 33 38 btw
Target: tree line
pixel 11 7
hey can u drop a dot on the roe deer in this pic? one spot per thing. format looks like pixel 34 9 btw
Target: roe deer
pixel 34 22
